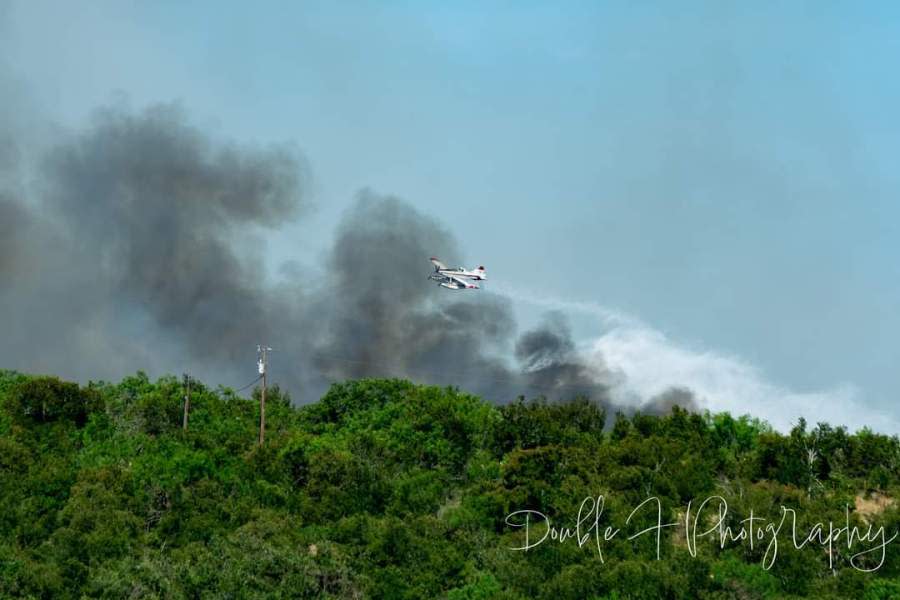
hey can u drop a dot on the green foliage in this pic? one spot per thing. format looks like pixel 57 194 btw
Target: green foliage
pixel 47 399
pixel 386 489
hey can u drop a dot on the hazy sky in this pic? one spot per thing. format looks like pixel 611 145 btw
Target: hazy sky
pixel 724 173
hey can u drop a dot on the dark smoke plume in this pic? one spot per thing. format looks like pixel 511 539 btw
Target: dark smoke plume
pixel 377 315
pixel 146 253
pixel 547 355
pixel 166 214
pixel 140 252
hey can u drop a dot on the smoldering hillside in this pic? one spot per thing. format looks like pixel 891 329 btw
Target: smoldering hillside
pixel 138 243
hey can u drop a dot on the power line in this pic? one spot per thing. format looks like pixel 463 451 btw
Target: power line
pixel 248 385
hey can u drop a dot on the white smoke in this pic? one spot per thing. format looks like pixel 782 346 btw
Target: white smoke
pixel 647 363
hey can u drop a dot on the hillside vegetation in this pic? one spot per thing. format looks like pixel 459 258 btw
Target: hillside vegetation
pixel 387 489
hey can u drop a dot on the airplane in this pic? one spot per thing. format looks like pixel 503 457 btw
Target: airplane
pixel 458 278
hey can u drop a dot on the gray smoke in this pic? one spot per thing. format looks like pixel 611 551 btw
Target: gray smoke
pixel 165 215
pixel 139 249
pixel 145 253
pixel 377 315
pixel 547 355
pixel 662 403
pixel 14 224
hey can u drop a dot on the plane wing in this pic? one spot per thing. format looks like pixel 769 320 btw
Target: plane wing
pixel 463 283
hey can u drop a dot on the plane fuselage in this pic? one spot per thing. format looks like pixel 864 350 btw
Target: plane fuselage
pixel 476 275
pixel 459 278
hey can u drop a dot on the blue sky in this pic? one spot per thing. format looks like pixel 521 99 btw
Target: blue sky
pixel 724 173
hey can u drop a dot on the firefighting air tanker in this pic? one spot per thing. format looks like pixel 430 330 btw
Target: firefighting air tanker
pixel 458 278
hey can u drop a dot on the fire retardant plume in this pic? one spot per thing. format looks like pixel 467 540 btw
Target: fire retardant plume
pixel 141 247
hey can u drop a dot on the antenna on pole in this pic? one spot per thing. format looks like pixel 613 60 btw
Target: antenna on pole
pixel 262 362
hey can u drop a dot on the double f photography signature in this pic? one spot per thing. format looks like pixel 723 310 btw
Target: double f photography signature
pixel 708 519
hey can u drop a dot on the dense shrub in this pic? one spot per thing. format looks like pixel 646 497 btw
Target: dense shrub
pixel 386 489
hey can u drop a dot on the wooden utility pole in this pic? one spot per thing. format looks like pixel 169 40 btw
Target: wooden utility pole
pixel 263 363
pixel 187 401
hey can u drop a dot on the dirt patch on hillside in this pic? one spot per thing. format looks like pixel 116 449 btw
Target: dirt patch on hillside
pixel 873 505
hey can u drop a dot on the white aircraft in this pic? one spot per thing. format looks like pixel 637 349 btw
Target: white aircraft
pixel 458 278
